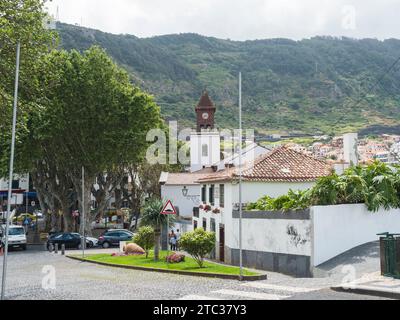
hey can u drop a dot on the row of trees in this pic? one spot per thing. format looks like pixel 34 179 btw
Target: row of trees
pixel 76 110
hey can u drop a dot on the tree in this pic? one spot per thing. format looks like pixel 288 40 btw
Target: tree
pixel 92 117
pixel 145 239
pixel 152 216
pixel 198 244
pixel 20 21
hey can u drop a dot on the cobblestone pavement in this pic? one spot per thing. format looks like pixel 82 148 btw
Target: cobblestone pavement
pixel 28 271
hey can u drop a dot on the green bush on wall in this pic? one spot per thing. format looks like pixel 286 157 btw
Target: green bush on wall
pixel 377 185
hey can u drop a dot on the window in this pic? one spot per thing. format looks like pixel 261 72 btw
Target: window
pixel 222 195
pixel 205 224
pixel 203 194
pixel 204 150
pixel 15 184
pixel 211 194
pixel 196 212
pixel 194 224
pixel 212 225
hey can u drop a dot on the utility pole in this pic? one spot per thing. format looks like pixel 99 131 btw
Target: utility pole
pixel 240 179
pixel 11 174
pixel 83 213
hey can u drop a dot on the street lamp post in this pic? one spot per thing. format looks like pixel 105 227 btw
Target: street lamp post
pixel 11 172
pixel 240 179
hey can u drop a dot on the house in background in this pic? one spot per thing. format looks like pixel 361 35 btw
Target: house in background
pixel 24 196
pixel 272 174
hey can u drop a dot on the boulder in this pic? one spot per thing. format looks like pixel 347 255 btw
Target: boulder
pixel 133 248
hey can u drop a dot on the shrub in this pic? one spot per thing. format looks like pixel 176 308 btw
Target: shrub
pixel 145 239
pixel 175 258
pixel 377 185
pixel 198 244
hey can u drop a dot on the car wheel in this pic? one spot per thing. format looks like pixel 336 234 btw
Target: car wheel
pixel 106 245
pixel 24 247
pixel 91 245
pixel 79 247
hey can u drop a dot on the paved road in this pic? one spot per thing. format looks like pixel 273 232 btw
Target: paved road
pixel 29 270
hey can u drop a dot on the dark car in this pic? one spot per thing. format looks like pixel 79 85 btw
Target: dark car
pixel 70 240
pixel 113 238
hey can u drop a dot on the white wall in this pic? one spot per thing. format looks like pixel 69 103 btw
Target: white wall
pixel 185 204
pixel 337 229
pixel 271 235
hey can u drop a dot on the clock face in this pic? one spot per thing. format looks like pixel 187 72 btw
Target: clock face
pixel 205 116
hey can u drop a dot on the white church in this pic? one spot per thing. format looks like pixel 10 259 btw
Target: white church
pixel 206 158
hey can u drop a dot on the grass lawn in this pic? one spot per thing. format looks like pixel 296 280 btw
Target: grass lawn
pixel 189 265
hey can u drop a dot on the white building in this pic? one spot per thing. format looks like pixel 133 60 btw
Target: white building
pixel 20 185
pixel 273 174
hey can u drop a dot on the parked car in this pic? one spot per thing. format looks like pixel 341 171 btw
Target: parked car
pixel 23 216
pixel 122 230
pixel 70 240
pixel 114 237
pixel 16 236
pixel 90 241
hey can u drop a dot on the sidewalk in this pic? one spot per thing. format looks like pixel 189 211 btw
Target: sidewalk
pixel 374 284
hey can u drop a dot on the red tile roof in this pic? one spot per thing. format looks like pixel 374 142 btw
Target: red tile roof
pixel 279 165
pixel 184 178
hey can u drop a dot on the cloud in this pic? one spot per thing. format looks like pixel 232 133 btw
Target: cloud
pixel 236 19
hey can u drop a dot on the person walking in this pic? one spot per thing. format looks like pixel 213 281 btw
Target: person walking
pixel 172 241
pixel 178 238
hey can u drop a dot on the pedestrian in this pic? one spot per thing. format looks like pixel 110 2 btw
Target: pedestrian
pixel 26 224
pixel 178 238
pixel 172 240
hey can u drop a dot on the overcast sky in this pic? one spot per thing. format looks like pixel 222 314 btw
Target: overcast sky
pixel 236 19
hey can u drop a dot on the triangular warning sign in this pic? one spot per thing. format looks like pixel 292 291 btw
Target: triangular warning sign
pixel 169 208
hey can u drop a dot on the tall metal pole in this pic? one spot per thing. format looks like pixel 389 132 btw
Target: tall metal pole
pixel 83 213
pixel 11 174
pixel 240 178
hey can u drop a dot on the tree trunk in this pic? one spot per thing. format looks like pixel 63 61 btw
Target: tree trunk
pixel 68 219
pixel 85 224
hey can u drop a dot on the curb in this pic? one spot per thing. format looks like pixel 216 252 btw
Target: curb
pixel 369 290
pixel 186 273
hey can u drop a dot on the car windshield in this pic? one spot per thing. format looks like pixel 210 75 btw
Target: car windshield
pixel 16 231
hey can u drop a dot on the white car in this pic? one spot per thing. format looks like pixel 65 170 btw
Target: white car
pixel 16 236
pixel 90 241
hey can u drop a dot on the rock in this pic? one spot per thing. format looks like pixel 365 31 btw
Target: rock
pixel 133 248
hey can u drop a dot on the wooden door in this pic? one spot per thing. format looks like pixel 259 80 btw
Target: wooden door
pixel 221 242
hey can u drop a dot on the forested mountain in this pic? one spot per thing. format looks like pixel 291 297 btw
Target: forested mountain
pixel 322 84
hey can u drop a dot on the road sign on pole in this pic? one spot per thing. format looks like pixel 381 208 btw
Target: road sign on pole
pixel 169 209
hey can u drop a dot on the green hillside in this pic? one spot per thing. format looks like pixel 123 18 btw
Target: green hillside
pixel 306 86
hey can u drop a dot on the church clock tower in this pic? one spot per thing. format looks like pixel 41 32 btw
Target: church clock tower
pixel 205 112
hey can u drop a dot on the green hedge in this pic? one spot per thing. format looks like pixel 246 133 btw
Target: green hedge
pixel 377 185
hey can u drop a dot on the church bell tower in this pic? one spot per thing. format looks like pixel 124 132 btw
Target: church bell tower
pixel 205 143
pixel 205 112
